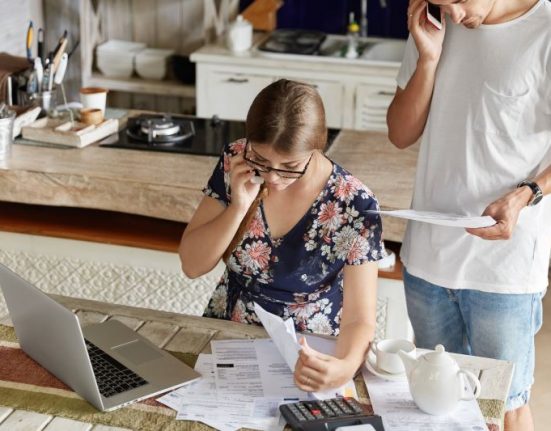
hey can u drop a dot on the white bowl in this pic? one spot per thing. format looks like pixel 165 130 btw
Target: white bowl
pixel 115 58
pixel 151 63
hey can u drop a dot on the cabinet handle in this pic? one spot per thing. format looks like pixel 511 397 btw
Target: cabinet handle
pixel 385 93
pixel 237 80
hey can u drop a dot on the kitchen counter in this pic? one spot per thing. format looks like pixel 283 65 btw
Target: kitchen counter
pixel 168 186
pixel 218 53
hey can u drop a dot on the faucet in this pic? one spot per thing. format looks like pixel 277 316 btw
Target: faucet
pixel 363 20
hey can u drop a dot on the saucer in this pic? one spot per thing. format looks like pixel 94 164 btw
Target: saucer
pixel 370 364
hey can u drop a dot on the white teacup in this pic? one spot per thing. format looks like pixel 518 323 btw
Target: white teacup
pixel 386 354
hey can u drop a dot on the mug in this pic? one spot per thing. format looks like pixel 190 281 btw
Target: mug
pixel 94 97
pixel 386 354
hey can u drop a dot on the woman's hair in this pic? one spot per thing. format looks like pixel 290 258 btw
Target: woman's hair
pixel 290 117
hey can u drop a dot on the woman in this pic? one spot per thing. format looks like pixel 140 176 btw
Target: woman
pixel 300 244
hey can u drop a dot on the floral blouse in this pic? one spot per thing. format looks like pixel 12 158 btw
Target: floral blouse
pixel 299 275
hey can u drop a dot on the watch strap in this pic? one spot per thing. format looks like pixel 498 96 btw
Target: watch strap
pixel 537 193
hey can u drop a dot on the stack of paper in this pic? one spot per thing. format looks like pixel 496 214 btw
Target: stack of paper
pixel 245 381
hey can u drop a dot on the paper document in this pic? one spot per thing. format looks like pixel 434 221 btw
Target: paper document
pixel 441 219
pixel 393 402
pixel 200 401
pixel 284 337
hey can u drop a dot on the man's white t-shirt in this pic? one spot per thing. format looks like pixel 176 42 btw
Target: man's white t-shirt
pixel 489 128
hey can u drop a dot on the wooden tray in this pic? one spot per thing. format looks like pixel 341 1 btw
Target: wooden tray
pixel 61 132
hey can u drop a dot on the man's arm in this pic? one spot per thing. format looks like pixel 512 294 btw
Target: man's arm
pixel 408 112
pixel 506 209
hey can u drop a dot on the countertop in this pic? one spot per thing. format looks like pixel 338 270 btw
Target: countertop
pixel 218 53
pixel 169 186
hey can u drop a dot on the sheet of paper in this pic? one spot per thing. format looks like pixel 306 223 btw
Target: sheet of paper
pixel 206 386
pixel 285 339
pixel 276 376
pixel 282 333
pixel 392 400
pixel 441 219
pixel 236 368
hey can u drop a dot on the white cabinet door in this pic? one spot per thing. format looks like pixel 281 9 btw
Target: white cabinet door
pixel 229 95
pixel 332 95
pixel 372 102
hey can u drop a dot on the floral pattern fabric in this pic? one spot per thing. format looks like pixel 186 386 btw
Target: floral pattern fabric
pixel 299 275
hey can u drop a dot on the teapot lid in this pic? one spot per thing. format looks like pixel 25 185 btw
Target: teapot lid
pixel 240 21
pixel 439 357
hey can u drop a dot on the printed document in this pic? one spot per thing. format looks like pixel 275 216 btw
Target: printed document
pixel 441 219
pixel 393 402
pixel 285 339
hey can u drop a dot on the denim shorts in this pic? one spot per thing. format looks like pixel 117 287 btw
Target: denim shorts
pixel 493 325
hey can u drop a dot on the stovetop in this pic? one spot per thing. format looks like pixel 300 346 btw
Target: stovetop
pixel 180 134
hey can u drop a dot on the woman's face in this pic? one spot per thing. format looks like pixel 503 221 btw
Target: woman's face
pixel 278 170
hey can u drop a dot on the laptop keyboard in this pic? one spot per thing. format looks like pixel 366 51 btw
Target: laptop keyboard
pixel 112 376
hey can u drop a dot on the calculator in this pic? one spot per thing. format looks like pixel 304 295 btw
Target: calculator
pixel 328 415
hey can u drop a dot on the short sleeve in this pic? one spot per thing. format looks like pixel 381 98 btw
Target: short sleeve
pixel 218 186
pixel 409 63
pixel 367 229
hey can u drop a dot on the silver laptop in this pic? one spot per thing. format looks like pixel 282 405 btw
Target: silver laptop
pixel 108 364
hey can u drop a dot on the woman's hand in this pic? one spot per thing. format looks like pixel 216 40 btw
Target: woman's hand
pixel 243 191
pixel 428 38
pixel 316 371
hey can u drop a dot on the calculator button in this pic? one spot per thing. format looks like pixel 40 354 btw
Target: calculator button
pixel 354 405
pixel 335 407
pixel 347 410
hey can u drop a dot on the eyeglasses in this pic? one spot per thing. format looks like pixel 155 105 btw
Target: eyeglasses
pixel 283 173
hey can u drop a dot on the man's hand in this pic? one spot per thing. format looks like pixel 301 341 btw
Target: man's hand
pixel 505 212
pixel 315 371
pixel 428 39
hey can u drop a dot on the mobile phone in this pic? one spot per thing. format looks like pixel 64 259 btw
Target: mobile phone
pixel 257 179
pixel 434 15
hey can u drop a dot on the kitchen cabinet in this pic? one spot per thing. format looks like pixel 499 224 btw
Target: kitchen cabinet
pixel 229 94
pixel 372 102
pixel 355 96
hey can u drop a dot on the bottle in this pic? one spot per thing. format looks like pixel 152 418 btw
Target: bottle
pixel 352 35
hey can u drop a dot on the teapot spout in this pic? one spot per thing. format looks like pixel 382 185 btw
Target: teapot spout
pixel 409 360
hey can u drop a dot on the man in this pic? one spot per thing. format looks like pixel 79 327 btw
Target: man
pixel 478 93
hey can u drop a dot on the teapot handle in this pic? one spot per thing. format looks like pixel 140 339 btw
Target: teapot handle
pixel 467 395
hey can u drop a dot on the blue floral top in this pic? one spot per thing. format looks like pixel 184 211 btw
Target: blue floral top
pixel 299 275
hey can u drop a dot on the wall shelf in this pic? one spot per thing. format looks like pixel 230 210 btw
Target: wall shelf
pixel 138 85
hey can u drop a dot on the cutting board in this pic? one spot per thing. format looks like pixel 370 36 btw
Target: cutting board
pixel 62 132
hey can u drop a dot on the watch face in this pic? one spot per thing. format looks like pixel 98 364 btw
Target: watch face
pixel 536 200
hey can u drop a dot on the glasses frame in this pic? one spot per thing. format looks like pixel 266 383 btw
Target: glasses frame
pixel 267 169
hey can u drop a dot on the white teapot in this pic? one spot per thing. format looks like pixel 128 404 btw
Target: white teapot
pixel 436 382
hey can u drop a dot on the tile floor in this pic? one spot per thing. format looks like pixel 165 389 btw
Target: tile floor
pixel 541 391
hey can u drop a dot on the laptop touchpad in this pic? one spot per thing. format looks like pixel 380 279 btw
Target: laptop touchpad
pixel 137 352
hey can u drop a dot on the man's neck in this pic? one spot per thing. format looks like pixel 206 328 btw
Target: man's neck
pixel 508 10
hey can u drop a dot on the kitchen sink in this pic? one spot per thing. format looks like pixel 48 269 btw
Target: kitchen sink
pixel 373 50
pixel 333 49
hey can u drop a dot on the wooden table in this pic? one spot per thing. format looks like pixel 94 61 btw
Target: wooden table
pixel 191 334
pixel 169 186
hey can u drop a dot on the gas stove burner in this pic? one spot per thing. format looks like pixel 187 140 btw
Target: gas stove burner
pixel 159 127
pixel 160 130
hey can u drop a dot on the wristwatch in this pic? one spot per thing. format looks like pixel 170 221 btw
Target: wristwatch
pixel 537 194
